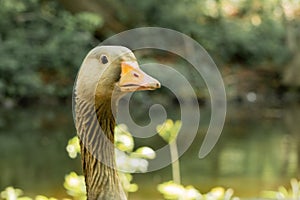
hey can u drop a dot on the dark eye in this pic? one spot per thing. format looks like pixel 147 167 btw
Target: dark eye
pixel 104 59
pixel 136 75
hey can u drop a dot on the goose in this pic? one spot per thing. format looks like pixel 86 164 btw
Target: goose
pixel 106 74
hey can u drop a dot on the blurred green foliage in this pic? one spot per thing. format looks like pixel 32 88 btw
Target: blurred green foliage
pixel 42 44
pixel 41 47
pixel 246 31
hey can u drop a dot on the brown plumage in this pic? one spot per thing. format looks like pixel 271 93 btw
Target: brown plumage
pixel 107 73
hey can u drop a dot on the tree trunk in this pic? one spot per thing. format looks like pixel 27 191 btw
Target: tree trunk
pixel 291 73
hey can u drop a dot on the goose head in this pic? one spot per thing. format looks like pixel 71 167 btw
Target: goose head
pixel 111 70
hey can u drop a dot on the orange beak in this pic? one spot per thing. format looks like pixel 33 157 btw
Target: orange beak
pixel 134 79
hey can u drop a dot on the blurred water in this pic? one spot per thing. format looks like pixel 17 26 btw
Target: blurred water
pixel 259 150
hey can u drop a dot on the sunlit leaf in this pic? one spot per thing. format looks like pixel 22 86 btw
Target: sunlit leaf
pixel 169 130
pixel 75 185
pixel 228 194
pixel 144 152
pixel 171 190
pixel 133 188
pixel 126 182
pixel 123 139
pixel 24 198
pixel 295 188
pixel 284 193
pixel 41 197
pixel 11 193
pixel 73 147
pixel 192 193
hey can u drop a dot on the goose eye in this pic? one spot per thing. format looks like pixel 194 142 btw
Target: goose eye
pixel 135 75
pixel 104 59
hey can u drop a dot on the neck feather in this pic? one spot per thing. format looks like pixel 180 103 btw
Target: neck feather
pixel 95 125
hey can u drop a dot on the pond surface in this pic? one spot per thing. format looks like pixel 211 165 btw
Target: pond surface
pixel 259 149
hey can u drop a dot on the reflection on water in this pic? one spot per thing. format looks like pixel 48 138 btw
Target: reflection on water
pixel 259 149
pixel 32 149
